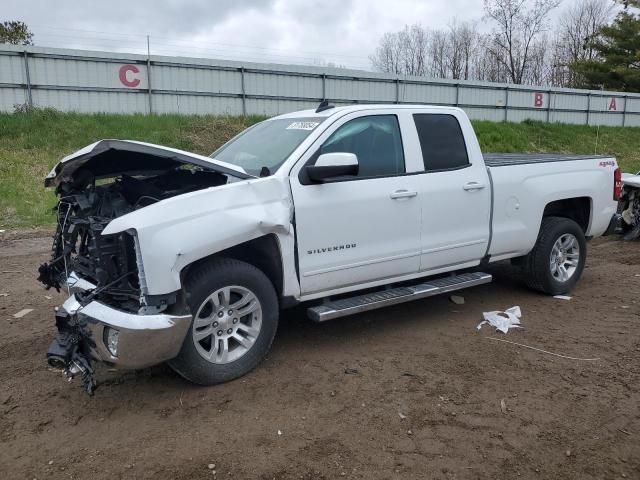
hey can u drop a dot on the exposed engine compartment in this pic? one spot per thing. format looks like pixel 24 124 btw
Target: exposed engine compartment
pixel 87 205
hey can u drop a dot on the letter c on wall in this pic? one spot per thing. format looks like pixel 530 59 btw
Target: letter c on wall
pixel 126 79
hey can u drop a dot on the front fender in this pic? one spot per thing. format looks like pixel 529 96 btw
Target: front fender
pixel 178 231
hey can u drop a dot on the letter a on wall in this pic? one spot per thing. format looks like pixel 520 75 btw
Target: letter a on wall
pixel 611 104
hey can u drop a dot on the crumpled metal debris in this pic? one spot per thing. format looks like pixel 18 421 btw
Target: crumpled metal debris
pixel 631 201
pixel 502 321
pixel 631 215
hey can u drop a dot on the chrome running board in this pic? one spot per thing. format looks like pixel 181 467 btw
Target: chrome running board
pixel 394 296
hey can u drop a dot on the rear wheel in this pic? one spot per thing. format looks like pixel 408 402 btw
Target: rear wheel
pixel 235 318
pixel 557 260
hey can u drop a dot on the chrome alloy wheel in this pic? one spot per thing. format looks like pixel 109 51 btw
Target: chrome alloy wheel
pixel 227 324
pixel 565 257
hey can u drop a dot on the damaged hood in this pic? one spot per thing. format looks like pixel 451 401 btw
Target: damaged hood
pixel 113 157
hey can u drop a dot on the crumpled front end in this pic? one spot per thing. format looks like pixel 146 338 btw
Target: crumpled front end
pixel 110 315
pixel 99 184
pixel 89 330
pixel 125 239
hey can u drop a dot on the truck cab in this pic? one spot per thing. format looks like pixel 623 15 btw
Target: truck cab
pixel 419 203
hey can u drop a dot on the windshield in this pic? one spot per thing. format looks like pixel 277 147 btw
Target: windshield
pixel 266 144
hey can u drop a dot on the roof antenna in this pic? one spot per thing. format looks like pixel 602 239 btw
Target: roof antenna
pixel 324 105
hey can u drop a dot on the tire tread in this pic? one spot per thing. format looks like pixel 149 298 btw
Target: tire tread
pixel 188 363
pixel 535 265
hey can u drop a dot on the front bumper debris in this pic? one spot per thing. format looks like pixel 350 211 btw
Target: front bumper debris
pixel 143 340
pixel 615 225
pixel 86 328
pixel 70 350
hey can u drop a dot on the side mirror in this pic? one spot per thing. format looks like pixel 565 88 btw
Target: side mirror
pixel 331 165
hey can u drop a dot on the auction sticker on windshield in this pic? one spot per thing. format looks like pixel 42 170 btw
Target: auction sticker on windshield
pixel 303 125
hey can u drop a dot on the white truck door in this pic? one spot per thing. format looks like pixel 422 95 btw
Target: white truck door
pixel 356 229
pixel 454 191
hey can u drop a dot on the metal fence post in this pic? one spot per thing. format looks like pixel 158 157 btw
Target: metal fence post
pixel 549 93
pixel 506 104
pixel 324 86
pixel 457 93
pixel 398 90
pixel 149 76
pixel 244 93
pixel 588 107
pixel 28 79
pixel 624 111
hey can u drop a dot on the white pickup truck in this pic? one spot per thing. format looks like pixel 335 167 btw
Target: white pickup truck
pixel 173 256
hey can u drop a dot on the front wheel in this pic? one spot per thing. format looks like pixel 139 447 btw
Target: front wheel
pixel 557 260
pixel 235 318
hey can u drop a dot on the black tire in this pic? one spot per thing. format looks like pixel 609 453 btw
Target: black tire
pixel 201 283
pixel 536 265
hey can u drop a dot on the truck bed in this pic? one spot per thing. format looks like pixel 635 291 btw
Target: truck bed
pixel 508 159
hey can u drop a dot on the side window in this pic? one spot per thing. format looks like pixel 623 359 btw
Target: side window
pixel 375 140
pixel 442 142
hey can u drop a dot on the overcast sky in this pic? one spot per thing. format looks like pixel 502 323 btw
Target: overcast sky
pixel 344 32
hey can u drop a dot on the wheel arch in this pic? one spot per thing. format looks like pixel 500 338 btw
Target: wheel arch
pixel 263 252
pixel 577 209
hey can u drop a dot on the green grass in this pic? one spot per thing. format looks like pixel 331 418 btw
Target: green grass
pixel 31 143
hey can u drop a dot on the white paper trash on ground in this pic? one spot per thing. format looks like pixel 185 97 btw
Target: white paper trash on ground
pixel 22 313
pixel 503 321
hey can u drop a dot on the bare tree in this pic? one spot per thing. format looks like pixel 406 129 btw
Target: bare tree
pixel 403 52
pixel 486 66
pixel 416 51
pixel 579 24
pixel 387 57
pixel 538 71
pixel 462 44
pixel 519 24
pixel 438 54
pixel 413 42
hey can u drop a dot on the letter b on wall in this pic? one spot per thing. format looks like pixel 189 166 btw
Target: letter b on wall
pixel 538 100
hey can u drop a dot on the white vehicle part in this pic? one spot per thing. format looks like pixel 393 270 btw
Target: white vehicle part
pixel 114 160
pixel 336 159
pixel 356 231
pixel 455 204
pixel 631 180
pixel 521 194
pixel 176 232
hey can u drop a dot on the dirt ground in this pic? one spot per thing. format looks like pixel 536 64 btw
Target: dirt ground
pixel 412 391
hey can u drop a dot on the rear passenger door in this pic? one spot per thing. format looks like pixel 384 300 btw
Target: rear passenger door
pixel 454 191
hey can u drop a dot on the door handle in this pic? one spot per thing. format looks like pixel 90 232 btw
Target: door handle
pixel 473 186
pixel 402 194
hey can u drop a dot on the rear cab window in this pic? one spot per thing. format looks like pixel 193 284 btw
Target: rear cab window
pixel 441 141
